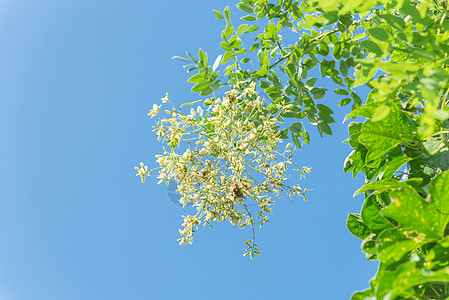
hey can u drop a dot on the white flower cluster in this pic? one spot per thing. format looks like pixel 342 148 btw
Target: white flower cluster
pixel 230 165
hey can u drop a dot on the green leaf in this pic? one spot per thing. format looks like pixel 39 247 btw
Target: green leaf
pixel 207 91
pixel 369 246
pixel 305 137
pixel 203 58
pixel 337 79
pixel 354 129
pixel 296 140
pixel 218 15
pixel 241 29
pixel 296 127
pixel 354 163
pixel 372 46
pixel 439 189
pixel 429 166
pixel 419 53
pixel 356 226
pixel 345 53
pixel 386 185
pixel 403 280
pixel 324 67
pixel 254 47
pixel 379 33
pixel 276 81
pixel 191 69
pixel 341 92
pixel 399 69
pixel 272 30
pixel 395 160
pixel 283 133
pixel 394 21
pixel 363 295
pixel 438 256
pixel 441 114
pixel 381 113
pixel 235 42
pixel 420 222
pixel 373 218
pixel 356 98
pixel 346 19
pixel 366 110
pixel 323 108
pixel 344 68
pixel 327 119
pixel 324 128
pixel 245 7
pixel 393 244
pixel 227 56
pixel 191 57
pixel 365 73
pixel 227 14
pixel 252 28
pixel 196 78
pixel 225 46
pixel 311 81
pixel 248 18
pixel 227 31
pixel 201 86
pixel 344 101
pixel 379 139
pixel 318 93
pixel 382 136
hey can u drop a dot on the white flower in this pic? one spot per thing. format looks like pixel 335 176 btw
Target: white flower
pixel 142 171
pixel 187 155
pixel 155 110
pixel 165 99
pixel 222 149
pixel 251 90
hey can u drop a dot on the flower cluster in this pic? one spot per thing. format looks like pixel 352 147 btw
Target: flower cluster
pixel 227 161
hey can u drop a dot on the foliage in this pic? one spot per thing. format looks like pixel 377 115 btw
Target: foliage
pixel 399 50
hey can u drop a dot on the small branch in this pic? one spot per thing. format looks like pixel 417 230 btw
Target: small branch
pixel 423 148
pixel 311 41
pixel 280 60
pixel 316 39
pixel 253 242
pixel 438 294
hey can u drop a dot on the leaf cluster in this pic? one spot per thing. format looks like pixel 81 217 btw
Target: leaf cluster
pixel 399 50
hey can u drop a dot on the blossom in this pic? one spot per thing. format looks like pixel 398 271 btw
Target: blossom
pixel 165 99
pixel 142 171
pixel 251 90
pixel 155 110
pixel 226 161
pixel 187 155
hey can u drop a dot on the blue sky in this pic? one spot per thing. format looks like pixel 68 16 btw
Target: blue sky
pixel 77 79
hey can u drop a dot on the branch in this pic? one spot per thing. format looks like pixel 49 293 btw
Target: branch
pixel 316 39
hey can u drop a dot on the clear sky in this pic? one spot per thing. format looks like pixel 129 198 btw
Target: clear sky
pixel 77 78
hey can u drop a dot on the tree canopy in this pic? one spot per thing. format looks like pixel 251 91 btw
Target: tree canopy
pixel 232 162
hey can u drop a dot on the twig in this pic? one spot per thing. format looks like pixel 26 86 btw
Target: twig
pixel 316 39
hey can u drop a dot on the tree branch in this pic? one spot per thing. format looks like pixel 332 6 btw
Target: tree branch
pixel 321 36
